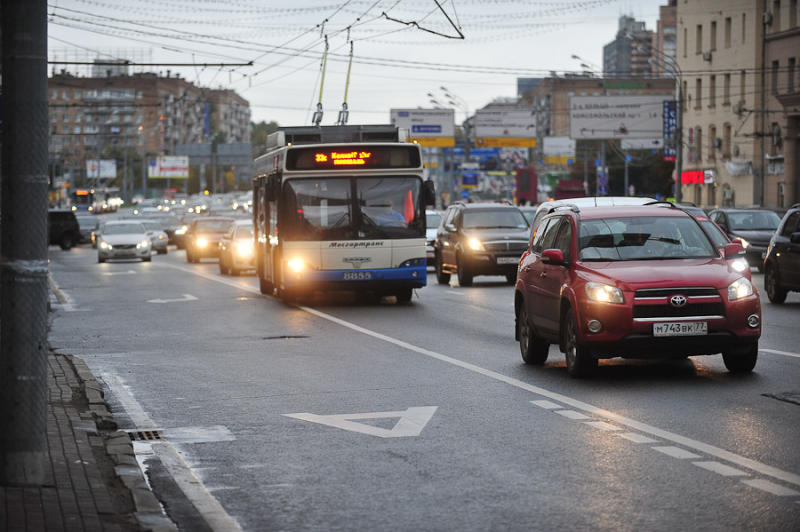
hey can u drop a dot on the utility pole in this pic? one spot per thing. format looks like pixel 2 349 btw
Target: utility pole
pixel 23 243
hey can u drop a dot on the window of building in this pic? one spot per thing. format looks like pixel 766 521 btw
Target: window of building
pixel 698 45
pixel 792 13
pixel 726 89
pixel 712 143
pixel 78 118
pixel 64 95
pixel 713 35
pixel 726 141
pixel 66 118
pixel 698 92
pixel 775 66
pixel 53 95
pixel 685 96
pixel 685 41
pixel 712 91
pixel 698 142
pixel 776 15
pixel 744 26
pixel 77 130
pixel 742 87
pixel 728 25
pixel 790 74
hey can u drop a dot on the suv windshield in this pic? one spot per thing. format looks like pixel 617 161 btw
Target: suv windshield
pixel 753 221
pixel 643 238
pixel 352 208
pixel 123 229
pixel 212 226
pixel 490 219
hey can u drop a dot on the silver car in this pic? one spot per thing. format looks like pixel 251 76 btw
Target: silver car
pixel 236 251
pixel 123 240
pixel 158 237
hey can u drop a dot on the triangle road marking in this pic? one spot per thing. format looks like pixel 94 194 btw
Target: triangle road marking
pixel 411 422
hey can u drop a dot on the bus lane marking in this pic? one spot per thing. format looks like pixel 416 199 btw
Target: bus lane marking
pixel 411 422
pixel 718 452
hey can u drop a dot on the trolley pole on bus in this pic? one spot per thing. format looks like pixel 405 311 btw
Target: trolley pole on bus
pixel 23 244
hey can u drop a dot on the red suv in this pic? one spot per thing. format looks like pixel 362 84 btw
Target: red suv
pixel 635 282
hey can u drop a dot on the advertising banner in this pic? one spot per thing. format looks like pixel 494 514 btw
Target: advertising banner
pixel 505 128
pixel 470 174
pixel 670 129
pixel 561 146
pixel 430 128
pixel 616 117
pixel 168 166
pixel 101 168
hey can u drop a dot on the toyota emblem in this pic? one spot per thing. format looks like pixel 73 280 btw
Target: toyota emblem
pixel 677 301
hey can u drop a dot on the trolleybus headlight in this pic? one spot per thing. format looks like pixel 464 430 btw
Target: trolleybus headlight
pixel 475 244
pixel 296 264
pixel 201 242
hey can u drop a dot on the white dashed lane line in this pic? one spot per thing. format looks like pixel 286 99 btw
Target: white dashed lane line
pixel 676 452
pixel 770 487
pixel 571 414
pixel 546 404
pixel 602 425
pixel 721 469
pixel 636 438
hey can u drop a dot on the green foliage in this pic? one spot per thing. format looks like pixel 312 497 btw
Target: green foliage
pixel 258 137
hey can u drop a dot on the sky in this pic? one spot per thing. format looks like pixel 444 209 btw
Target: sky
pixel 403 50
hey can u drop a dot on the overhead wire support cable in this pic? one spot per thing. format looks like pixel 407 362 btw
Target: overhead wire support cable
pixel 434 32
pixel 131 63
pixel 317 118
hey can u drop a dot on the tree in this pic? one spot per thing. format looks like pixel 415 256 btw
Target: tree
pixel 258 138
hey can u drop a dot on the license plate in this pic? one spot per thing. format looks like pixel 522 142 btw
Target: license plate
pixel 680 328
pixel 357 276
pixel 507 260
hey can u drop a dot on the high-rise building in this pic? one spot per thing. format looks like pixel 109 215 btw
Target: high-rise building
pixel 666 42
pixel 628 55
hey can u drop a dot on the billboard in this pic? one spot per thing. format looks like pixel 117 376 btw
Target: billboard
pixel 101 168
pixel 168 166
pixel 642 144
pixel 505 128
pixel 427 127
pixel 616 117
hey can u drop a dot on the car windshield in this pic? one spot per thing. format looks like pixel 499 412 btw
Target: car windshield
pixel 244 232
pixel 643 238
pixel 212 226
pixel 152 226
pixel 86 222
pixel 123 229
pixel 490 219
pixel 433 220
pixel 753 221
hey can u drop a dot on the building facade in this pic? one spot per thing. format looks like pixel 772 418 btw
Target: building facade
pixel 666 42
pixel 628 55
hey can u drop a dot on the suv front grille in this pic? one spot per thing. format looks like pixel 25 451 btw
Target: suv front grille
pixel 668 311
pixel 654 303
pixel 517 247
pixel 123 246
pixel 668 292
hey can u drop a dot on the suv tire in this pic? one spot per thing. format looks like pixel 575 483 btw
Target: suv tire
pixel 404 295
pixel 265 287
pixel 511 278
pixel 580 362
pixel 464 276
pixel 533 349
pixel 441 277
pixel 66 241
pixel 738 361
pixel 772 283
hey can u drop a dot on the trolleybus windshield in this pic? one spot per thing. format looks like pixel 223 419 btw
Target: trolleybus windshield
pixel 352 208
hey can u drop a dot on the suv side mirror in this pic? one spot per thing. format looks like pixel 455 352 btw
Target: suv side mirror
pixel 428 193
pixel 733 250
pixel 553 256
pixel 794 238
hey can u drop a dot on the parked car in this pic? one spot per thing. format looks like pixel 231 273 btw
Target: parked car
pixel 87 225
pixel 754 228
pixel 479 239
pixel 123 239
pixel 782 263
pixel 202 238
pixel 635 282
pixel 589 201
pixel 158 237
pixel 432 221
pixel 63 229
pixel 236 251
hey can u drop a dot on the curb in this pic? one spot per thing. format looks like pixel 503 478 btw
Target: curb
pixel 148 510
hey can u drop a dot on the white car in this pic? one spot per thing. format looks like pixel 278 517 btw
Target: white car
pixel 158 237
pixel 123 240
pixel 432 221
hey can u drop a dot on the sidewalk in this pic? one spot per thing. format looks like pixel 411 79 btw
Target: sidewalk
pixel 93 480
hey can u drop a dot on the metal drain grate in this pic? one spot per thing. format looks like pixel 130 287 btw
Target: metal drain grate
pixel 145 435
pixel 284 337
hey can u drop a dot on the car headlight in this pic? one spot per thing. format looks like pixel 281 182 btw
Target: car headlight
pixel 161 237
pixel 739 289
pixel 603 293
pixel 296 264
pixel 739 265
pixel 201 242
pixel 182 230
pixel 475 244
pixel 104 245
pixel 244 248
pixel 143 244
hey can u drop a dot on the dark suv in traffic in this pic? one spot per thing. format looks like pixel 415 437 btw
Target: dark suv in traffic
pixel 479 239
pixel 63 229
pixel 635 282
pixel 752 227
pixel 782 264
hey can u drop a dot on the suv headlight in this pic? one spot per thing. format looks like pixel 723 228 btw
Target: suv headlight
pixel 182 230
pixel 143 244
pixel 475 244
pixel 104 245
pixel 739 289
pixel 603 293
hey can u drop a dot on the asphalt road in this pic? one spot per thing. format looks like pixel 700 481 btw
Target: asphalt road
pixel 345 414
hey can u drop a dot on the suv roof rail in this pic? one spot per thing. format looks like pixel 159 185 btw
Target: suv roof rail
pixel 570 206
pixel 667 203
pixel 795 206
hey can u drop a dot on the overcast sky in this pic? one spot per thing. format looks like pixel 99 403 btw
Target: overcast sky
pixel 395 65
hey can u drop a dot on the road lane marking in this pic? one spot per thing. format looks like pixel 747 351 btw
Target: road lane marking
pixel 549 405
pixel 602 425
pixel 777 352
pixel 718 452
pixel 127 272
pixel 770 487
pixel 676 452
pixel 183 474
pixel 636 438
pixel 721 469
pixel 186 297
pixel 571 414
pixel 411 422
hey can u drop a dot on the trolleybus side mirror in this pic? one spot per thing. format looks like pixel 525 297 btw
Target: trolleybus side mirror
pixel 428 193
pixel 273 186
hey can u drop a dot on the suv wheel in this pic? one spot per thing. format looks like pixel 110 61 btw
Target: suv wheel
pixel 738 361
pixel 464 276
pixel 66 241
pixel 511 278
pixel 265 287
pixel 579 359
pixel 404 295
pixel 533 349
pixel 441 277
pixel 775 293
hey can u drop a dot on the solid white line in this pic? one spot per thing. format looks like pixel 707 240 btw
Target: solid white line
pixel 676 452
pixel 722 454
pixel 636 437
pixel 546 404
pixel 721 469
pixel 602 425
pixel 186 479
pixel 571 414
pixel 770 487
pixel 776 352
